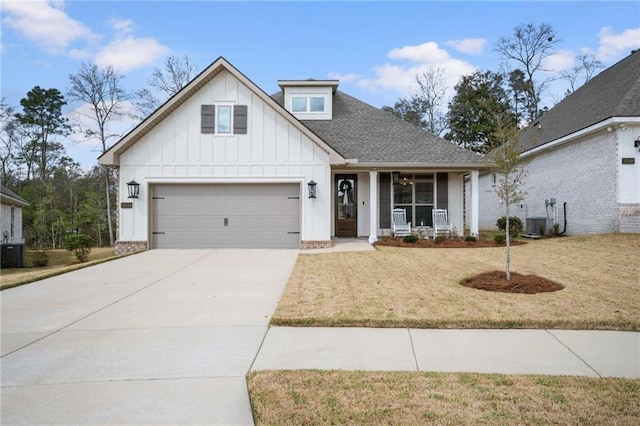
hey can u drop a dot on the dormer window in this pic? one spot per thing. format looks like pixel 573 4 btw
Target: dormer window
pixel 316 104
pixel 308 104
pixel 309 99
pixel 298 104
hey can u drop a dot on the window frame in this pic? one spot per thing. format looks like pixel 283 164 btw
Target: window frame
pixel 225 105
pixel 411 207
pixel 308 97
pixel 293 103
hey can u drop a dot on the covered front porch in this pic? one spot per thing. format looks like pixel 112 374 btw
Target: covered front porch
pixel 362 200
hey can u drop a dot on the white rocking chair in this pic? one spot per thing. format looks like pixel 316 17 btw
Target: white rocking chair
pixel 441 225
pixel 399 224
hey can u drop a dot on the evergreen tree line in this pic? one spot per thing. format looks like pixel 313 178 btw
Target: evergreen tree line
pixel 63 198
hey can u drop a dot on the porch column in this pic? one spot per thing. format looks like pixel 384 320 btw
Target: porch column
pixel 373 206
pixel 474 203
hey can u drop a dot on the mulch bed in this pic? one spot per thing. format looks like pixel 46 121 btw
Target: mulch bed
pixel 496 281
pixel 448 243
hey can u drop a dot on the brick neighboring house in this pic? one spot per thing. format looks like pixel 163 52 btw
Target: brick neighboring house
pixel 583 160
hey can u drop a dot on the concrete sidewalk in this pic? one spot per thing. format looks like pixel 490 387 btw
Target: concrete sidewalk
pixel 553 352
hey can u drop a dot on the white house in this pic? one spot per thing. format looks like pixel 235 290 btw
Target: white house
pixel 223 164
pixel 11 227
pixel 11 213
pixel 583 160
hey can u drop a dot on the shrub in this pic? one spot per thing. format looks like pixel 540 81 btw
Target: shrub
pixel 515 226
pixel 80 244
pixel 439 239
pixel 39 258
pixel 470 239
pixel 500 238
pixel 410 239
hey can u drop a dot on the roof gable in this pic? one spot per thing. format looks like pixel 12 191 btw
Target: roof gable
pixel 615 92
pixel 112 155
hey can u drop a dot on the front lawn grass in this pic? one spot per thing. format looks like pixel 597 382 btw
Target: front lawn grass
pixel 403 398
pixel 420 287
pixel 60 261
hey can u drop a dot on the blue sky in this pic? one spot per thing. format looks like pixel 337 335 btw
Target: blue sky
pixel 375 49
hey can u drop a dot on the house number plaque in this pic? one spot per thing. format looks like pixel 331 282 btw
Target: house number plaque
pixel 126 205
pixel 628 160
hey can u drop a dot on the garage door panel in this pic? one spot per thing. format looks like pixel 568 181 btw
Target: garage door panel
pixel 209 216
pixel 179 224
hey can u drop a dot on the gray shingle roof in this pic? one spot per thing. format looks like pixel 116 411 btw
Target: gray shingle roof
pixel 10 197
pixel 615 92
pixel 370 135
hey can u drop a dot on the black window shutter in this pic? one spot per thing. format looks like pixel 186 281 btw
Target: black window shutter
pixel 240 119
pixel 443 190
pixel 385 200
pixel 208 119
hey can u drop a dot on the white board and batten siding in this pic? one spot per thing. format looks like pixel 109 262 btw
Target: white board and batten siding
pixel 273 151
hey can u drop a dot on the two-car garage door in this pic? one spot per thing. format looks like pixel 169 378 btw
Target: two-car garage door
pixel 226 216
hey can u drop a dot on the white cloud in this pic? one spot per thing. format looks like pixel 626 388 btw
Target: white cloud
pixel 422 53
pixel 46 24
pixel 122 26
pixel 126 52
pixel 613 46
pixel 473 46
pixel 344 78
pixel 402 78
pixel 130 53
pixel 560 61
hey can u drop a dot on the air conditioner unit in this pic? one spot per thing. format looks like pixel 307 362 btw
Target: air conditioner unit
pixel 538 226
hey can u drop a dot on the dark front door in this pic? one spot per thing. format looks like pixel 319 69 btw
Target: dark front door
pixel 346 207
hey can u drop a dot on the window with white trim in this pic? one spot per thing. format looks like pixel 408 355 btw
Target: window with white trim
pixel 224 119
pixel 308 104
pixel 415 194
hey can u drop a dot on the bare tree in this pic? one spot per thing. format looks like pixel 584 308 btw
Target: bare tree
pixel 431 96
pixel 103 94
pixel 166 82
pixel 587 65
pixel 511 174
pixel 529 46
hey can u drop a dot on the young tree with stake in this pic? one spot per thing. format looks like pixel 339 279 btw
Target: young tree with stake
pixel 511 173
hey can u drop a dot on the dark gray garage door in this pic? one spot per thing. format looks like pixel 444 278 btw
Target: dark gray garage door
pixel 226 216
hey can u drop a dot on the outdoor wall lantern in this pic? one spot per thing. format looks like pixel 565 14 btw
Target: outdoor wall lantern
pixel 134 189
pixel 396 177
pixel 312 189
pixel 636 143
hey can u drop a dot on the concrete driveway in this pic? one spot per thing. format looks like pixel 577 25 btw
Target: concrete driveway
pixel 165 336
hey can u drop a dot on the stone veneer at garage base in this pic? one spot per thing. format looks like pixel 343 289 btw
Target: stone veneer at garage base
pixel 123 247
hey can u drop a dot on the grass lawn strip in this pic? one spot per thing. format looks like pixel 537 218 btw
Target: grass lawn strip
pixel 419 288
pixel 60 262
pixel 338 397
